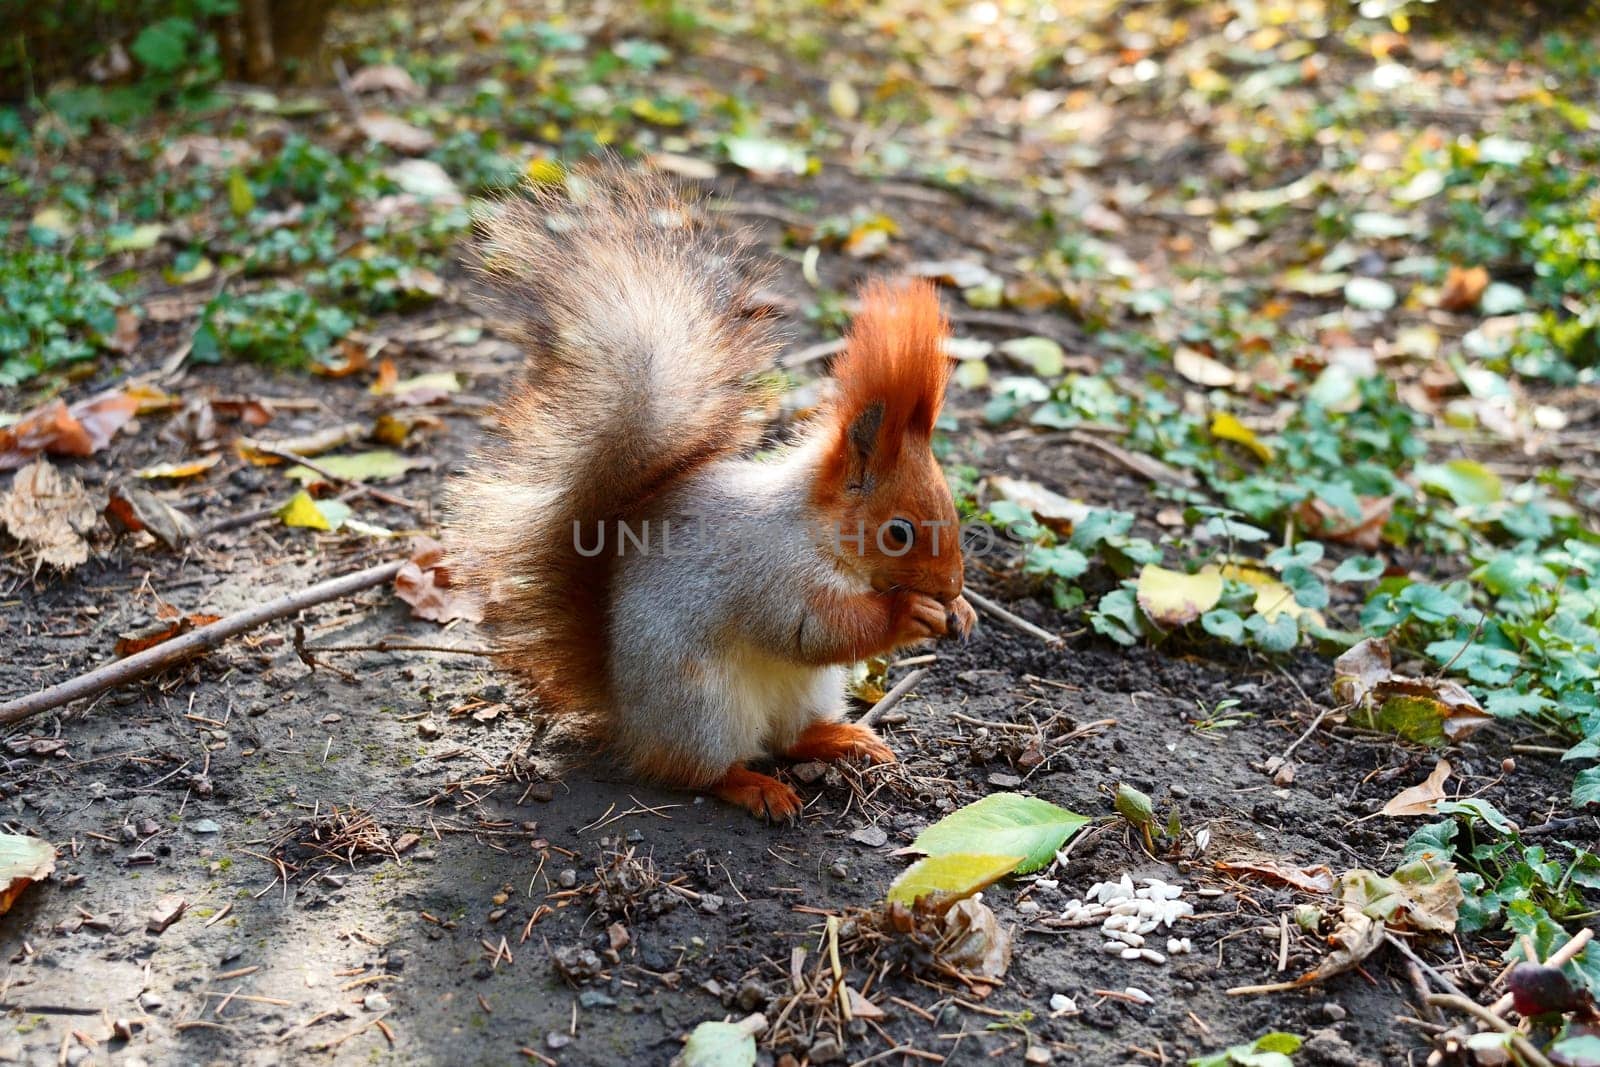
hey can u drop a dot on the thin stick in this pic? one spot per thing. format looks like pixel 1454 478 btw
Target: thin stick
pixel 1322 713
pixel 1523 1046
pixel 809 354
pixel 169 653
pixel 1017 621
pixel 338 479
pixel 1443 982
pixel 400 646
pixel 893 697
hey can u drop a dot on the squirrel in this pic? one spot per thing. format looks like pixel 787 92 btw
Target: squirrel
pixel 689 604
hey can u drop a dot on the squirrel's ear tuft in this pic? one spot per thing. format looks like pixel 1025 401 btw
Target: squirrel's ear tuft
pixel 895 357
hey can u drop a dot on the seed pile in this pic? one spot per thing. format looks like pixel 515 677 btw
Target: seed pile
pixel 1128 914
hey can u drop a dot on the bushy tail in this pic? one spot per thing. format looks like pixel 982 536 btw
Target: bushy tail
pixel 642 347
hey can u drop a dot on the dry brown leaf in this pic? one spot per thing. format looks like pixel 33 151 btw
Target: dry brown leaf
pixel 1328 523
pixel 424 583
pixel 1317 879
pixel 352 358
pixel 1048 506
pixel 1429 710
pixel 1201 369
pixel 308 444
pixel 1420 799
pixel 1462 288
pixel 397 134
pixel 385 78
pixel 151 636
pixel 130 509
pixel 976 943
pixel 23 861
pixel 49 513
pixel 55 429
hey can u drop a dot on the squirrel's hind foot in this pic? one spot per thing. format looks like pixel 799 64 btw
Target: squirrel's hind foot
pixel 759 794
pixel 831 741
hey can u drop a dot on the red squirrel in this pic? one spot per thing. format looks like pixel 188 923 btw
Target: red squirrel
pixel 585 521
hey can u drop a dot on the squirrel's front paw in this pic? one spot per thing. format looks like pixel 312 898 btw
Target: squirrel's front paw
pixel 917 617
pixel 962 618
pixel 761 795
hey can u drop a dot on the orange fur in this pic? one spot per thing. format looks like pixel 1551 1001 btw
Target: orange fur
pixel 759 794
pixel 830 741
pixel 895 356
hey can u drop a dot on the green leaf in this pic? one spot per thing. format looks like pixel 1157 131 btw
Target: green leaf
pixel 1464 481
pixel 1045 357
pixel 1224 624
pixel 1586 788
pixel 1480 810
pixel 1003 824
pixel 241 200
pixel 377 466
pixel 1369 294
pixel 718 1045
pixel 948 878
pixel 136 238
pixel 1278 634
pixel 1359 569
pixel 163 47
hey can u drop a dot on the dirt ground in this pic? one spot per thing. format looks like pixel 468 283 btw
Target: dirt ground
pixel 389 840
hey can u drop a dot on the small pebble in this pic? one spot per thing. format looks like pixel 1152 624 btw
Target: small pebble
pixel 567 878
pixel 375 1002
pixel 1062 1002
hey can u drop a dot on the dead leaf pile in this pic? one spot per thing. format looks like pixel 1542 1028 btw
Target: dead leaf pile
pixel 58 430
pixel 1429 710
pixel 424 583
pixel 49 513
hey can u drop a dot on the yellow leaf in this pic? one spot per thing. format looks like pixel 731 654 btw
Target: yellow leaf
pixel 950 877
pixel 1171 598
pixel 1228 428
pixel 545 172
pixel 303 511
pixel 844 99
pixel 1272 596
pixel 181 470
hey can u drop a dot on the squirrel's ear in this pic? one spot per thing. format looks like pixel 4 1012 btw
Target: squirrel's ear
pixel 862 436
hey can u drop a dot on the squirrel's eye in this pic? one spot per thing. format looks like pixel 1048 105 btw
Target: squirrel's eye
pixel 901 533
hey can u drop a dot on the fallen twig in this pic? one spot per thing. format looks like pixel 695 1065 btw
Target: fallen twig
pixel 1524 1047
pixel 1010 619
pixel 893 697
pixel 169 653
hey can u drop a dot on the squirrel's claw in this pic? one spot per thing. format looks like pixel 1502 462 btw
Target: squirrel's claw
pixel 761 795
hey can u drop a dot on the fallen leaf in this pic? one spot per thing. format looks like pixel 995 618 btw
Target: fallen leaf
pixel 1462 288
pixel 395 428
pixel 1359 669
pixel 377 466
pixel 718 1044
pixel 419 391
pixel 1315 879
pixel 133 510
pixel 698 170
pixel 957 273
pixel 180 470
pixel 935 883
pixel 49 513
pixel 55 429
pixel 304 511
pixel 310 444
pixel 1328 522
pixel 353 357
pixel 1171 599
pixel 1041 355
pixel 1420 799
pixel 975 942
pixel 1003 824
pixel 1464 481
pixel 23 861
pixel 398 134
pixel 1430 711
pixel 1201 369
pixel 1227 427
pixel 424 583
pixel 1422 895
pixel 385 78
pixel 151 636
pixel 1048 506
